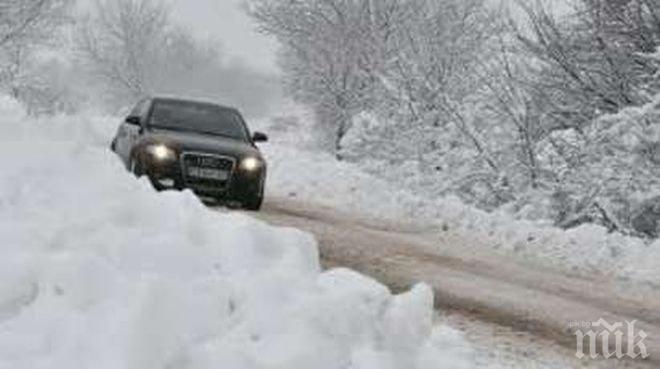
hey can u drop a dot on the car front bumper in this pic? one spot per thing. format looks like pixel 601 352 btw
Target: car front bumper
pixel 241 186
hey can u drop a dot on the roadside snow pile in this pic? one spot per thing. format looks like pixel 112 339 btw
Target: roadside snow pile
pixel 317 177
pixel 99 271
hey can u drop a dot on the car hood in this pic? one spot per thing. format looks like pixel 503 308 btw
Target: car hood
pixel 194 142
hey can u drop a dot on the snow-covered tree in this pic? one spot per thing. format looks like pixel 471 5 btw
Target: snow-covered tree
pixel 596 83
pixel 432 86
pixel 134 48
pixel 595 59
pixel 124 43
pixel 28 19
pixel 27 29
pixel 332 52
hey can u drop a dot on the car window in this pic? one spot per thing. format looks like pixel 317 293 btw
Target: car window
pixel 198 117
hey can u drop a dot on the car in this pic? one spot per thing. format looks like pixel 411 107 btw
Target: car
pixel 187 144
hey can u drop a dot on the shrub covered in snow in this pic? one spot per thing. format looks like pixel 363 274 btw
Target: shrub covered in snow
pixel 609 171
pixel 98 270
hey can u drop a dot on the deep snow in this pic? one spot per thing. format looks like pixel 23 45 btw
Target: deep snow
pixel 99 271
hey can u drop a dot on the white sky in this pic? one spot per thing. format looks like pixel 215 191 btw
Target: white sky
pixel 226 21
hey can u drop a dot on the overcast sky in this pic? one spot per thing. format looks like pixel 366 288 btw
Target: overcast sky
pixel 226 21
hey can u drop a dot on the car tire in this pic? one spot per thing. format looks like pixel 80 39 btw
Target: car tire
pixel 136 168
pixel 254 204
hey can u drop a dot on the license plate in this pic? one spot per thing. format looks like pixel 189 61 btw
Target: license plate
pixel 208 173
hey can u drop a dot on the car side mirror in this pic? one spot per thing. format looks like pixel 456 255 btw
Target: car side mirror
pixel 259 137
pixel 133 120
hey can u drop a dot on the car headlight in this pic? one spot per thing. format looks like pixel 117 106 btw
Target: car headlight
pixel 251 164
pixel 161 152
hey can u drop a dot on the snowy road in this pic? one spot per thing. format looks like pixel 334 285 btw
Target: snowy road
pixel 535 305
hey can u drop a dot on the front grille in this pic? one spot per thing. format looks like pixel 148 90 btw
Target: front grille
pixel 207 161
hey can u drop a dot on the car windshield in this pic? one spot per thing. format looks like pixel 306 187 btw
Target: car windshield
pixel 198 117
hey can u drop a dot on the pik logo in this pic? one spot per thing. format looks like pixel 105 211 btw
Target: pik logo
pixel 617 340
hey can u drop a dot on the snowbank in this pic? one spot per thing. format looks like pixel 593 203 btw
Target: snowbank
pixel 317 177
pixel 98 271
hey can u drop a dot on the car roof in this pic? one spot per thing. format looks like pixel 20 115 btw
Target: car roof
pixel 190 100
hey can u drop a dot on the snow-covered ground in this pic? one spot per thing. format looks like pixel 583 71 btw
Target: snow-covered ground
pixel 299 171
pixel 99 271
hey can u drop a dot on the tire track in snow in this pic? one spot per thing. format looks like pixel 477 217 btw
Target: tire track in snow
pixel 482 285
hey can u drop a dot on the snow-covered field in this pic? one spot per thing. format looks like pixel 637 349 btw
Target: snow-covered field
pixel 300 172
pixel 99 271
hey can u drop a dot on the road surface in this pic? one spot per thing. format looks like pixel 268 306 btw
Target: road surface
pixel 473 286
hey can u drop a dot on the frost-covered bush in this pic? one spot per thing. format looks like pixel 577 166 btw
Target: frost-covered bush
pixel 610 170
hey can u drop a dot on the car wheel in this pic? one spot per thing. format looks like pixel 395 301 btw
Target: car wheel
pixel 136 168
pixel 254 204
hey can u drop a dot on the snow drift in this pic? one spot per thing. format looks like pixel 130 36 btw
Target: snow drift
pixel 99 271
